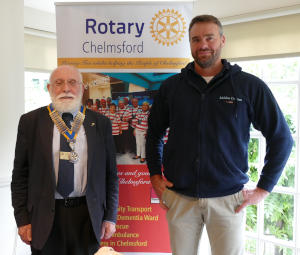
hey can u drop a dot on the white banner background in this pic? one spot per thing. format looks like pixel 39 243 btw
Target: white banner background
pixel 161 29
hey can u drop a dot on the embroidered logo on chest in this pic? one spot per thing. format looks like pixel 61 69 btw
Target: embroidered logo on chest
pixel 229 99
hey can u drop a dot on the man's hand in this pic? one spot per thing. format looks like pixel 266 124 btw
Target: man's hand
pixel 159 185
pixel 108 229
pixel 252 197
pixel 25 233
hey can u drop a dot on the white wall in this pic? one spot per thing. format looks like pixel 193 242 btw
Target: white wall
pixel 39 20
pixel 11 107
pixel 263 38
pixel 39 53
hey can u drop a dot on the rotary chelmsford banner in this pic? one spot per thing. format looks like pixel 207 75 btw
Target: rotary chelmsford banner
pixel 125 51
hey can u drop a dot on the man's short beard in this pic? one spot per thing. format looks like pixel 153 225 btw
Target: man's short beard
pixel 205 64
pixel 61 106
pixel 209 62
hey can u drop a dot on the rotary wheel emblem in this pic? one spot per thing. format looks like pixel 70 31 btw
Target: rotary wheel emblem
pixel 168 27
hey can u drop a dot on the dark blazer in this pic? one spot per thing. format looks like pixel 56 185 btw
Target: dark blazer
pixel 33 178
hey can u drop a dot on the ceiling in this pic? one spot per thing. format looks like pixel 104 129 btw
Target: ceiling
pixel 219 8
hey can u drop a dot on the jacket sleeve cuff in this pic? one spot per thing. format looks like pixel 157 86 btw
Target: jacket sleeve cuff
pixel 22 221
pixel 263 184
pixel 110 222
pixel 154 172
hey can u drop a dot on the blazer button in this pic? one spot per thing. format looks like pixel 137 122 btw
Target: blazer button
pixel 53 210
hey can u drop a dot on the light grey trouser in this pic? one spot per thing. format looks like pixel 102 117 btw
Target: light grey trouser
pixel 187 215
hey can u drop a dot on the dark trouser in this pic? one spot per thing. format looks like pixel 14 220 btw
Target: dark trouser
pixel 122 142
pixel 116 142
pixel 72 231
pixel 131 140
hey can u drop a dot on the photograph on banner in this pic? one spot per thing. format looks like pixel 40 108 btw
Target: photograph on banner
pixel 126 99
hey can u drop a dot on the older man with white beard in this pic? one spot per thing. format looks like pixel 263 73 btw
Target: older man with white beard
pixel 64 183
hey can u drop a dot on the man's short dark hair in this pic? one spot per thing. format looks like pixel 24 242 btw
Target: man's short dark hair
pixel 206 18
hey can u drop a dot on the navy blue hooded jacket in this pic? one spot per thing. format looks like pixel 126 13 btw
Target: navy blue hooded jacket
pixel 207 150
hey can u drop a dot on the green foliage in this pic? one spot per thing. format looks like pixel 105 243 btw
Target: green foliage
pixel 281 70
pixel 278 208
pixel 251 246
pixel 287 178
pixel 251 220
pixel 253 173
pixel 253 150
pixel 289 121
pixel 278 218
pixel 271 249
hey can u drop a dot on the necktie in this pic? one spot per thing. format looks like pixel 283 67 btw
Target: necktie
pixel 65 183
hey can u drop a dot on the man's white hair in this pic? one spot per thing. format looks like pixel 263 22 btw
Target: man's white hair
pixel 65 66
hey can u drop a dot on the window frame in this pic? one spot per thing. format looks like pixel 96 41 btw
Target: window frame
pixel 259 235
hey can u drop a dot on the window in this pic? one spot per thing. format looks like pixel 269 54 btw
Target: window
pixel 273 227
pixel 36 93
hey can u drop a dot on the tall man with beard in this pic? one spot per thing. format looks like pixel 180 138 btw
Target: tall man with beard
pixel 64 183
pixel 205 158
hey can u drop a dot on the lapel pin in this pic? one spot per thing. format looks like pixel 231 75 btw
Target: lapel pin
pixel 92 124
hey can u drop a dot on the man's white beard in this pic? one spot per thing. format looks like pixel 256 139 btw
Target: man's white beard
pixel 66 105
